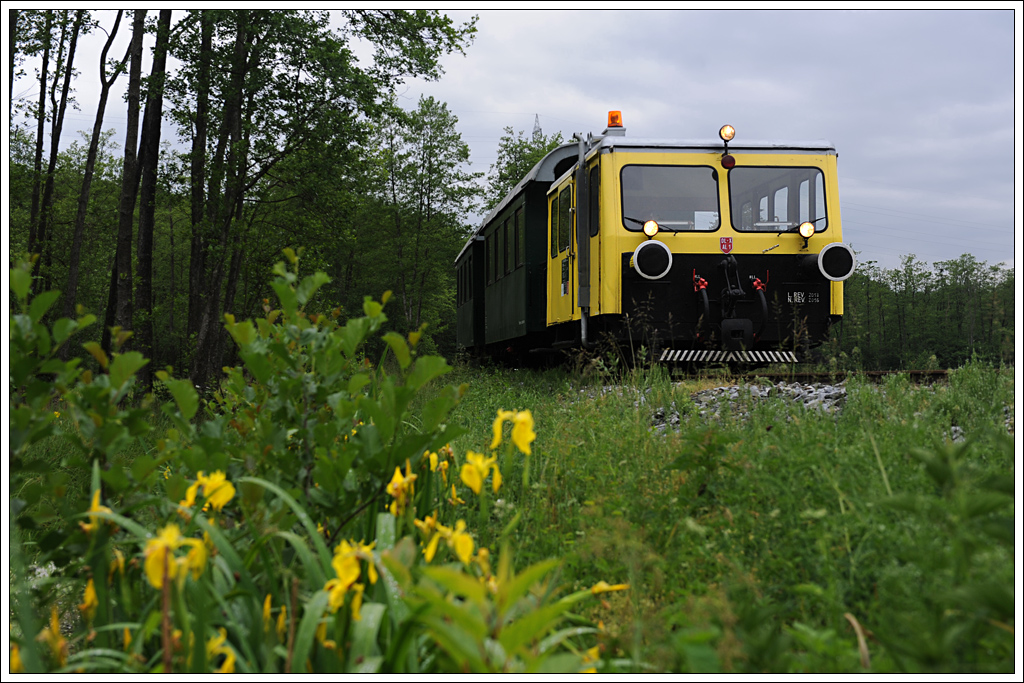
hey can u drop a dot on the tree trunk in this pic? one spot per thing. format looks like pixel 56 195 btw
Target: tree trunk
pixel 197 261
pixel 71 291
pixel 129 180
pixel 175 343
pixel 149 154
pixel 37 166
pixel 12 53
pixel 44 236
pixel 230 165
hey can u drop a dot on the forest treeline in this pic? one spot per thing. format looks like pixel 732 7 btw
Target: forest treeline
pixel 272 134
pixel 926 316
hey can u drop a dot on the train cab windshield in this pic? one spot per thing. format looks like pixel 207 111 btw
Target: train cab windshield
pixel 679 198
pixel 776 199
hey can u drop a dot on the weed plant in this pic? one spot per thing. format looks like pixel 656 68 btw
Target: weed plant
pixel 776 538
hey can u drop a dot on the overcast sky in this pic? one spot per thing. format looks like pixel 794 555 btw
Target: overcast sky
pixel 920 105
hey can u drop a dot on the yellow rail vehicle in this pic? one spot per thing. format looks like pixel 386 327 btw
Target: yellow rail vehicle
pixel 701 252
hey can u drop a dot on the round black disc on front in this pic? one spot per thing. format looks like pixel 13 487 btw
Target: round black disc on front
pixel 652 260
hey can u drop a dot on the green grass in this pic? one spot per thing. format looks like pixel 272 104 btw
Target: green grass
pixel 757 541
pixel 756 535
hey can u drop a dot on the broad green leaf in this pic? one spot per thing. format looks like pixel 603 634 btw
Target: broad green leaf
pixel 458 583
pixel 438 408
pixel 462 646
pixel 364 631
pixel 124 367
pixel 258 365
pixel 309 286
pixel 229 555
pixel 516 587
pixel 286 295
pixel 371 308
pixel 314 611
pixel 368 665
pixel 243 333
pixel 301 515
pixel 356 383
pixel 62 329
pixel 531 625
pixel 557 664
pixel 352 335
pixel 97 352
pixel 558 637
pixel 381 418
pixel 142 467
pixel 141 533
pixel 41 304
pixel 314 572
pixel 42 339
pixel 21 282
pixel 385 531
pixel 396 577
pixel 184 394
pixel 425 369
pixel 400 348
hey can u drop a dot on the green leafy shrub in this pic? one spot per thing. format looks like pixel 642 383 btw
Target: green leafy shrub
pixel 227 543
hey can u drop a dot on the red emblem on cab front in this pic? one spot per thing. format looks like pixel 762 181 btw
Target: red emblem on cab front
pixel 726 244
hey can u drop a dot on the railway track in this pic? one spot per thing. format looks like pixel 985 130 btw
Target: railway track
pixel 839 376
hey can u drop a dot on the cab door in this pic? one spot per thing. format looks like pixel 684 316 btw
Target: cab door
pixel 561 255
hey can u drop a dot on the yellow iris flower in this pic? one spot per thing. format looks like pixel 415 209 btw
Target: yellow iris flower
pixel 603 587
pixel 282 623
pixel 522 429
pixel 483 558
pixel 51 635
pixel 346 567
pixel 499 422
pixel 116 565
pixel 321 636
pixel 17 667
pixel 89 602
pixel 428 525
pixel 93 518
pixel 459 542
pixel 160 551
pixel 401 488
pixel 217 490
pixel 590 658
pixel 475 470
pixel 454 499
pixel 215 646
